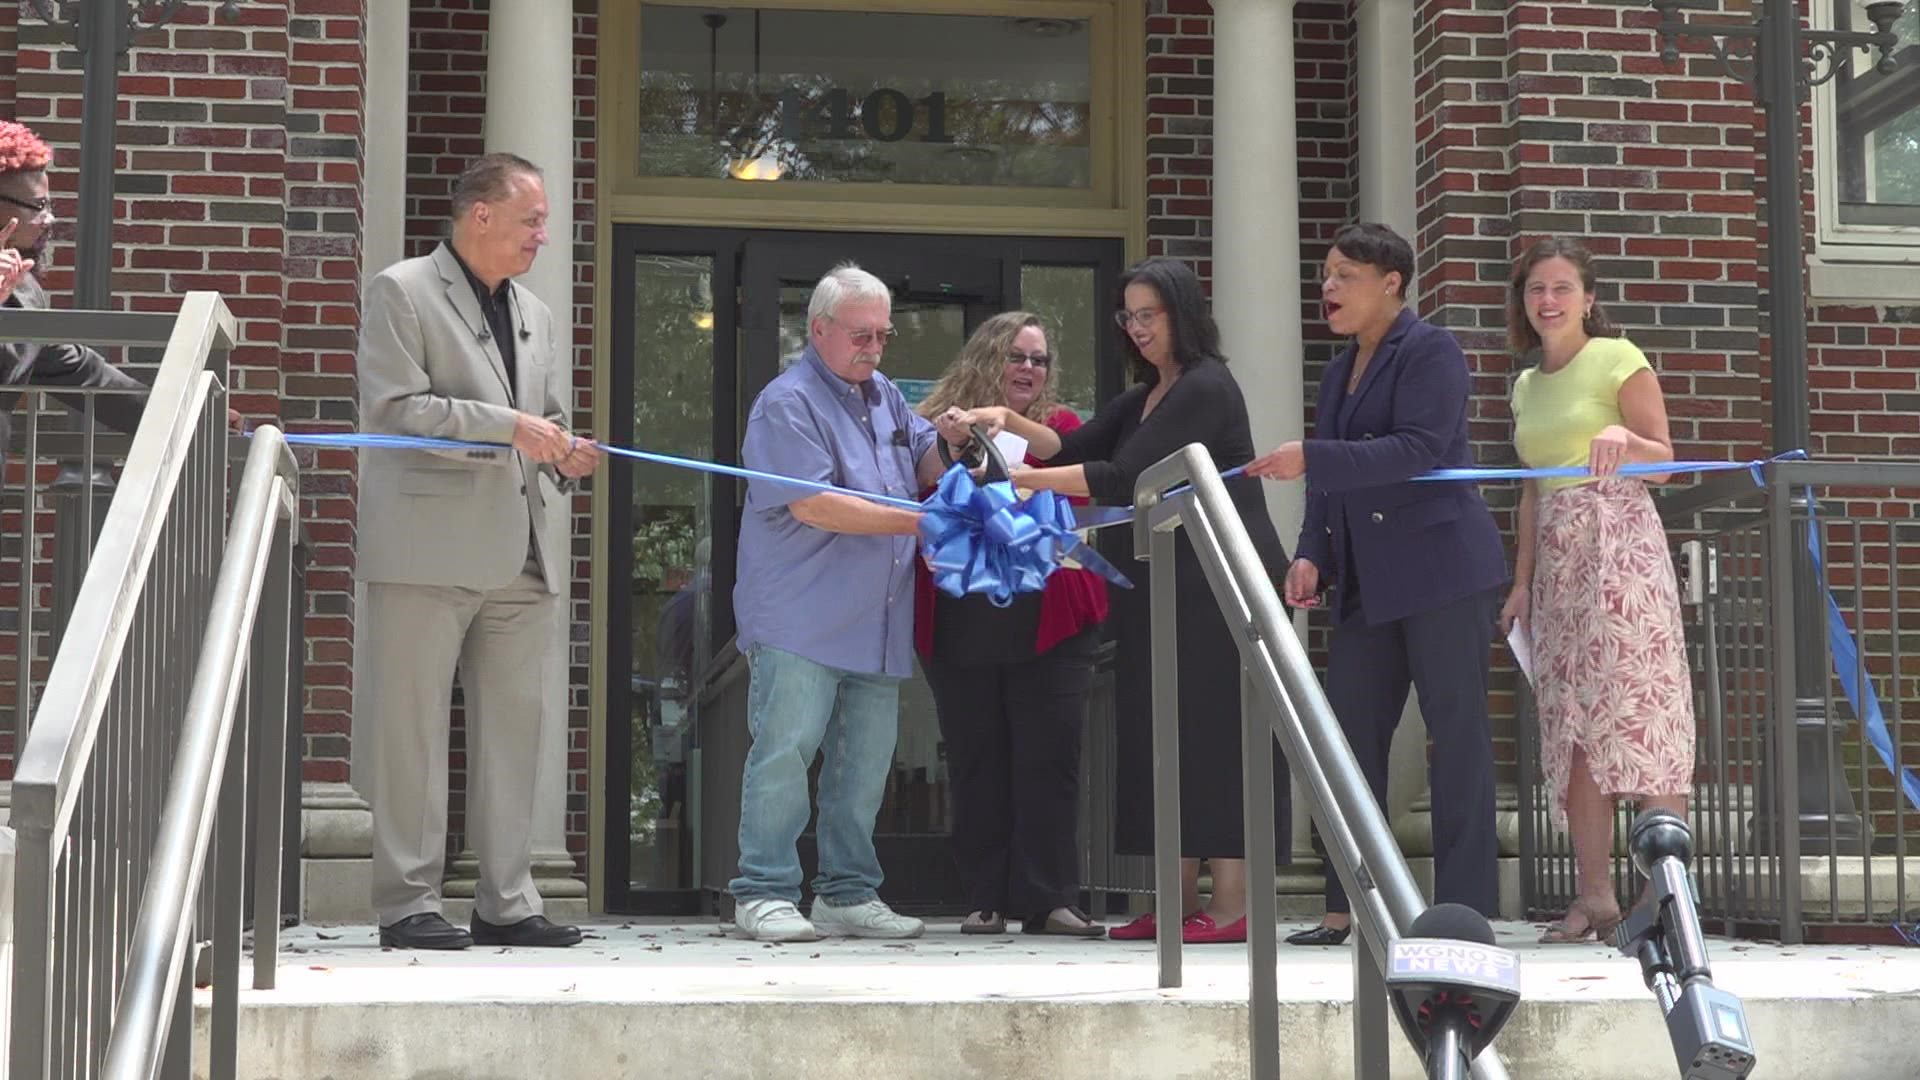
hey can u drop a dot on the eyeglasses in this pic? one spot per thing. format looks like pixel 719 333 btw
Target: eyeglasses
pixel 864 338
pixel 38 206
pixel 1146 316
pixel 1036 360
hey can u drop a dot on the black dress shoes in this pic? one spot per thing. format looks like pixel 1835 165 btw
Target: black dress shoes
pixel 426 930
pixel 1320 935
pixel 533 932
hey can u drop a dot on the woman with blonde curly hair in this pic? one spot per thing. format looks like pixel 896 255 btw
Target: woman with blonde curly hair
pixel 1011 684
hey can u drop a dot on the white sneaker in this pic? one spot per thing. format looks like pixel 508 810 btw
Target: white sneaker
pixel 873 919
pixel 768 919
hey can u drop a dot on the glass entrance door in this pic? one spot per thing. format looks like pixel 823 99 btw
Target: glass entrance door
pixel 710 316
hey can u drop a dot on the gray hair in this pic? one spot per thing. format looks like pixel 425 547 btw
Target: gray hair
pixel 488 179
pixel 844 284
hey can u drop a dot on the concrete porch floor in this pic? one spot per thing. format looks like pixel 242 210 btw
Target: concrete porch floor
pixel 666 998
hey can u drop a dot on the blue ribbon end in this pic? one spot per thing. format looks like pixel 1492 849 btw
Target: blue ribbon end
pixel 985 539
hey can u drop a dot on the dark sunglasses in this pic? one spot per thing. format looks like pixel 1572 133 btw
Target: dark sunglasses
pixel 1039 359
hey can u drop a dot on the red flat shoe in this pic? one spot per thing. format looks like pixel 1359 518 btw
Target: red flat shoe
pixel 1200 929
pixel 1144 928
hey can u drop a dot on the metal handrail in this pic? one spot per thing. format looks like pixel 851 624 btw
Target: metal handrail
pixel 163 523
pixel 69 714
pixel 46 326
pixel 1360 845
pixel 264 515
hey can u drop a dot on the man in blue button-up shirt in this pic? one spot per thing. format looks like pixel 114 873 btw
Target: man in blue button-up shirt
pixel 824 608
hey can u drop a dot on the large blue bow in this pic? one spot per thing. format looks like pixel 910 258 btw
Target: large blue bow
pixel 983 538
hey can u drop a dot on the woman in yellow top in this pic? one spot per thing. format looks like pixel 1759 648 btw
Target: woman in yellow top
pixel 1594 582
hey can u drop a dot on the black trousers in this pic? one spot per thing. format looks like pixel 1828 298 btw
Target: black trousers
pixel 1443 654
pixel 1013 735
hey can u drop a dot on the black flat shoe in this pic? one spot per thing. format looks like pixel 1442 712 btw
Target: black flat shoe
pixel 1320 935
pixel 532 932
pixel 426 930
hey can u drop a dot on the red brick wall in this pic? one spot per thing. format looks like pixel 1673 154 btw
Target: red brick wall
pixel 325 155
pixel 1865 380
pixel 9 20
pixel 1180 131
pixel 586 25
pixel 226 182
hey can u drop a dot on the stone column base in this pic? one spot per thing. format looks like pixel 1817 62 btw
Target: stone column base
pixel 336 854
pixel 563 895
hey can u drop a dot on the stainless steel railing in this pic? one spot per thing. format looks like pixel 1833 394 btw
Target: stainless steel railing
pixel 1292 707
pixel 134 776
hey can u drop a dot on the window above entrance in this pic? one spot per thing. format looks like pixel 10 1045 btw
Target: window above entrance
pixel 855 97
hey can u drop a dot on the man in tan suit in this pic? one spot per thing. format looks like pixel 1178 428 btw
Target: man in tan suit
pixel 464 553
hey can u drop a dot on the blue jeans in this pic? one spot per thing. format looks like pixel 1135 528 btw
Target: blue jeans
pixel 796 708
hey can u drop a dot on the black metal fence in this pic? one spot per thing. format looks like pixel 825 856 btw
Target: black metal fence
pixel 1804 808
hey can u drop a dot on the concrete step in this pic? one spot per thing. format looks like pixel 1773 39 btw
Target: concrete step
pixel 690 999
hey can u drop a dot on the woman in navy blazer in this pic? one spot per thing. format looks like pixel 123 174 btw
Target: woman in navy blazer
pixel 1413 571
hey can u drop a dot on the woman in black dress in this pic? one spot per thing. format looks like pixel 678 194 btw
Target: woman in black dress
pixel 1183 394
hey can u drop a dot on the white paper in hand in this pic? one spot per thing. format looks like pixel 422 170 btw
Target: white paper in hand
pixel 1012 447
pixel 1521 643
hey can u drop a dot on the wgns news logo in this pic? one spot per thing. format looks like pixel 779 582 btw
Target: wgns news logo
pixel 1455 960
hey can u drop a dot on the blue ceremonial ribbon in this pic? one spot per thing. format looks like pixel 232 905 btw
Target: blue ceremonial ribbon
pixel 1845 652
pixel 353 440
pixel 983 537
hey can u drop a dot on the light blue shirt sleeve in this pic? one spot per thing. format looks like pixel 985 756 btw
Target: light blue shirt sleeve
pixel 923 433
pixel 784 438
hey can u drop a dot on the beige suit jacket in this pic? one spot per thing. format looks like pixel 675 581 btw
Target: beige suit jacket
pixel 452 517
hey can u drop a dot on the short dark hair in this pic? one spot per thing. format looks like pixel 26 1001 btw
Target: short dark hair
pixel 1522 338
pixel 488 179
pixel 1379 247
pixel 1183 301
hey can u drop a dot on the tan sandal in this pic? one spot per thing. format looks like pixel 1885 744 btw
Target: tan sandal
pixel 1598 927
pixel 1053 923
pixel 984 922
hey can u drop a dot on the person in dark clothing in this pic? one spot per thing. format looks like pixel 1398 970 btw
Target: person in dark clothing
pixel 1184 395
pixel 26 219
pixel 1011 684
pixel 26 223
pixel 1415 570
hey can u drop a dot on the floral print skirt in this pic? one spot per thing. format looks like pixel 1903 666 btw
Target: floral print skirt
pixel 1609 654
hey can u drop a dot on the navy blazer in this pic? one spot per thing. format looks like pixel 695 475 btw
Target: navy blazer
pixel 1414 546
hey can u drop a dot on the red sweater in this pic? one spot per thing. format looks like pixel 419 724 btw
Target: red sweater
pixel 1073 600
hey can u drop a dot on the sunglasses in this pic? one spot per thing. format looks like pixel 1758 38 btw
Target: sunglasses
pixel 1037 360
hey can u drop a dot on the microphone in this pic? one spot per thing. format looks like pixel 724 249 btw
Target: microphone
pixel 486 335
pixel 1451 987
pixel 1707 1025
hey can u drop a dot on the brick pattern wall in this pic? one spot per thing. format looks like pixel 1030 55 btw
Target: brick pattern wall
pixel 446 103
pixel 326 79
pixel 225 182
pixel 586 26
pixel 9 44
pixel 1865 380
pixel 1180 131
